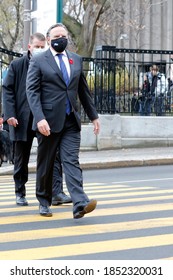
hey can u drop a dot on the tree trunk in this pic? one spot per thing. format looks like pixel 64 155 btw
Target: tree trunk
pixel 84 34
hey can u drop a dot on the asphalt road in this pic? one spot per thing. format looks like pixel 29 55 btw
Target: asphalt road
pixel 133 219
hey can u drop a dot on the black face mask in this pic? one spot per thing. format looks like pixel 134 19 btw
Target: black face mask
pixel 59 44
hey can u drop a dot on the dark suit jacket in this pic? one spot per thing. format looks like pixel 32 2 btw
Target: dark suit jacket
pixel 15 102
pixel 47 91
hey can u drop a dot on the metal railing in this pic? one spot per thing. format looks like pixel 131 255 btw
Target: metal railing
pixel 116 77
pixel 119 81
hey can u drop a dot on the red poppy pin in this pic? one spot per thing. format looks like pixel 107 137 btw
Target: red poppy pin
pixel 71 61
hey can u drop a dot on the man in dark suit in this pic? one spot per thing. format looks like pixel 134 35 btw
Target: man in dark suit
pixel 55 79
pixel 19 118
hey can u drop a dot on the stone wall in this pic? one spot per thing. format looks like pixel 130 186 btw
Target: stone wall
pixel 128 132
pixel 119 132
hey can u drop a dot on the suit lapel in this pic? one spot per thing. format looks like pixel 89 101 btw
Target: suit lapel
pixel 51 61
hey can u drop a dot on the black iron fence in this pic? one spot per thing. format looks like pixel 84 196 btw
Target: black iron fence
pixel 116 78
pixel 120 81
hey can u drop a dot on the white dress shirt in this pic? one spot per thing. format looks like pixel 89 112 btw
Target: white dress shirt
pixel 65 59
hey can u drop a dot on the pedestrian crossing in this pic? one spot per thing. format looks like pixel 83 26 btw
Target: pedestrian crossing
pixel 130 223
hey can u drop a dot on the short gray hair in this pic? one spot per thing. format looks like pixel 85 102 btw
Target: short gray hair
pixel 39 36
pixel 59 24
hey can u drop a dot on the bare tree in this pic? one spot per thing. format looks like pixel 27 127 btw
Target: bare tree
pixel 11 24
pixel 121 23
pixel 88 21
pixel 133 19
pixel 81 18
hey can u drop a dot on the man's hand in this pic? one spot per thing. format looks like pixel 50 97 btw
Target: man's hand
pixel 43 127
pixel 12 121
pixel 96 124
pixel 1 121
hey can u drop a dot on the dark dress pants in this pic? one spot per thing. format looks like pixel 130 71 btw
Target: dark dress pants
pixel 22 151
pixel 57 184
pixel 68 143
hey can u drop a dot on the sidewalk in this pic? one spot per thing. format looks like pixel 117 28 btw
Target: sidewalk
pixel 111 159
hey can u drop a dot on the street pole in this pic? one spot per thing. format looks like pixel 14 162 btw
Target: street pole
pixel 27 22
pixel 59 13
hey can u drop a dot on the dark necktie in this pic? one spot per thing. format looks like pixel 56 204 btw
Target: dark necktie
pixel 66 80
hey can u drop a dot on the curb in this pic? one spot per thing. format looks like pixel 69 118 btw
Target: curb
pixel 127 163
pixel 8 170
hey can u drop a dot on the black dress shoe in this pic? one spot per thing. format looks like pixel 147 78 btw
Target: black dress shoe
pixel 21 200
pixel 81 209
pixel 61 198
pixel 45 211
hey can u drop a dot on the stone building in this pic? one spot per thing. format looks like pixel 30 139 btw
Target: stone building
pixel 143 24
pixel 138 24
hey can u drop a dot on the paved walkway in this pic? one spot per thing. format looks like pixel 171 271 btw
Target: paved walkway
pixel 112 158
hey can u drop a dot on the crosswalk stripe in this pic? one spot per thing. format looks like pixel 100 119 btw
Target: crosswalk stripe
pixel 101 202
pixel 31 184
pixel 88 248
pixel 115 188
pixel 122 210
pixel 83 230
pixel 97 213
pixel 135 193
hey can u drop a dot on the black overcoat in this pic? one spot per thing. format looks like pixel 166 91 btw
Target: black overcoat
pixel 15 102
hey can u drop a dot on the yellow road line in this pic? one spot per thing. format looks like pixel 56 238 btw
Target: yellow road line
pixel 138 199
pixel 79 230
pixel 137 193
pixel 32 183
pixel 87 248
pixel 162 199
pixel 98 188
pixel 107 190
pixel 10 203
pixel 97 213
